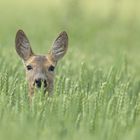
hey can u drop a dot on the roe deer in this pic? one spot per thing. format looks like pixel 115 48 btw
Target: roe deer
pixel 40 68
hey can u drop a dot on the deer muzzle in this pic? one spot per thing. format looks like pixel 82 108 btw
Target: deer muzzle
pixel 40 82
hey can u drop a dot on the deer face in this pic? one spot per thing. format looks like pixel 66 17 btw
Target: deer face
pixel 40 68
pixel 40 72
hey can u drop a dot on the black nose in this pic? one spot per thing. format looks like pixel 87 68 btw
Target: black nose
pixel 39 82
pixel 45 83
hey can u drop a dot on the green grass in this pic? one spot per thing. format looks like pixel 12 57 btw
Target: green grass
pixel 97 84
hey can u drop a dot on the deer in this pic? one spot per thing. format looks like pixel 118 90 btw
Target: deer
pixel 40 69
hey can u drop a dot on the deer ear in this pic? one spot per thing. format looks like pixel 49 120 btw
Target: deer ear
pixel 59 47
pixel 22 44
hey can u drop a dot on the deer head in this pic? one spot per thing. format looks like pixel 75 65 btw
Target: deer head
pixel 40 68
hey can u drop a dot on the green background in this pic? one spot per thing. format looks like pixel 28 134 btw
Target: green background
pixel 97 85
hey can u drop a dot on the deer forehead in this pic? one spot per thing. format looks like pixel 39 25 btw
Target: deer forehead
pixel 39 60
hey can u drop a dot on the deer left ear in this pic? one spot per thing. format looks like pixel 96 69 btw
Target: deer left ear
pixel 59 47
pixel 23 46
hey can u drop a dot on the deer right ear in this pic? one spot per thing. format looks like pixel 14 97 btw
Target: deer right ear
pixel 22 44
pixel 59 48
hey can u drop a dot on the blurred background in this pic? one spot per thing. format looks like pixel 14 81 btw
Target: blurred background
pixel 97 85
pixel 100 31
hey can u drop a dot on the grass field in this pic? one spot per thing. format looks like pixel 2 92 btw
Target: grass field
pixel 97 85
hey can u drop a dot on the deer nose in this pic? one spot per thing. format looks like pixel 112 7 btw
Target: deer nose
pixel 39 82
pixel 45 83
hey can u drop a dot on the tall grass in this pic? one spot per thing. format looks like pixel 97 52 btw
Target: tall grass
pixel 97 84
pixel 97 105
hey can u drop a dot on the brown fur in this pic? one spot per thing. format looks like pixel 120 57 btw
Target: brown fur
pixel 40 64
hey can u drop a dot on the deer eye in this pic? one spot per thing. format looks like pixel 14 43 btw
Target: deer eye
pixel 51 68
pixel 29 67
